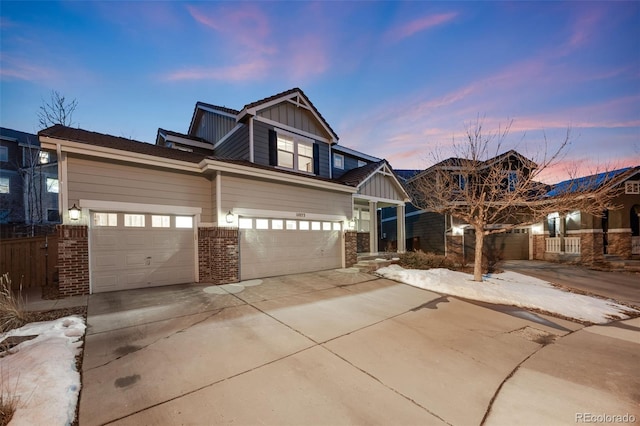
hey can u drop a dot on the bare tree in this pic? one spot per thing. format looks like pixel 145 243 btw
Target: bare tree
pixel 494 193
pixel 56 111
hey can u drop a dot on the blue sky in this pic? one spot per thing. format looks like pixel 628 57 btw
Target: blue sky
pixel 395 80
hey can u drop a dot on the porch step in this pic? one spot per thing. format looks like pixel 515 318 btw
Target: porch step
pixel 616 263
pixel 371 263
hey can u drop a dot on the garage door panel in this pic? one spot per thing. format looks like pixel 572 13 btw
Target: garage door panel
pixel 126 257
pixel 266 253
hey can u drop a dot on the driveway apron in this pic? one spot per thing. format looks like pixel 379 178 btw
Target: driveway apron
pixel 333 347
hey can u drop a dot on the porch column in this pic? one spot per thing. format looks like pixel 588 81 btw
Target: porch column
pixel 401 237
pixel 562 225
pixel 373 227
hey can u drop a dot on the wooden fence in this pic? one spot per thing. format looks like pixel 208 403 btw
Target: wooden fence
pixel 31 261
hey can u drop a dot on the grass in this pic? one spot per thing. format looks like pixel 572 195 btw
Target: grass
pixel 421 260
pixel 8 402
pixel 12 313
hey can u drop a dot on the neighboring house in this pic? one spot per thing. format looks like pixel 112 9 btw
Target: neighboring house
pixel 28 181
pixel 443 234
pixel 261 191
pixel 580 237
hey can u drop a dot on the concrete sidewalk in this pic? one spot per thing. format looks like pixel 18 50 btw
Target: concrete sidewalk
pixel 342 347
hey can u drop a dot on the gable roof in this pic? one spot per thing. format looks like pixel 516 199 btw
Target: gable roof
pixel 354 153
pixel 251 108
pixel 585 183
pixel 165 132
pixel 203 106
pixel 22 138
pixel 359 176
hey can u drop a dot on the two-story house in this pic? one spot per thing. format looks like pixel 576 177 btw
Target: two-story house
pixel 443 234
pixel 28 183
pixel 260 191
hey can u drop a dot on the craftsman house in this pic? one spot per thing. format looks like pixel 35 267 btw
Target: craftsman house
pixel 443 234
pixel 581 237
pixel 261 191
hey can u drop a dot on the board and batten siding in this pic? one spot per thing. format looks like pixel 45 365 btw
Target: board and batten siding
pixel 213 127
pixel 296 117
pixel 261 148
pixel 382 187
pixel 238 192
pixel 236 146
pixel 117 182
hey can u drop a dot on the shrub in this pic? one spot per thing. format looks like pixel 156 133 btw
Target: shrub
pixel 12 313
pixel 421 260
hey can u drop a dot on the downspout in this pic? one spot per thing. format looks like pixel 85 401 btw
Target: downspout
pixel 251 156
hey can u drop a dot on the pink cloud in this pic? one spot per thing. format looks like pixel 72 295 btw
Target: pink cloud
pixel 307 56
pixel 19 69
pixel 410 28
pixel 247 71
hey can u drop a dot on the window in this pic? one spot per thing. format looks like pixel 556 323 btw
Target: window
pixel 336 226
pixel 245 223
pixel 632 187
pixel 43 157
pixel 461 181
pixel 315 226
pixel 291 225
pixel 262 223
pixel 277 224
pixel 4 216
pixel 184 221
pixel 513 180
pixel 4 153
pixel 134 220
pixel 304 225
pixel 363 219
pixel 105 219
pixel 5 187
pixel 338 161
pixel 53 185
pixel 158 221
pixel 361 163
pixel 53 215
pixel 295 153
pixel 326 226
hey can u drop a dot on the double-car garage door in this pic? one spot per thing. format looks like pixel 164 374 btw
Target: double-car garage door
pixel 140 250
pixel 270 247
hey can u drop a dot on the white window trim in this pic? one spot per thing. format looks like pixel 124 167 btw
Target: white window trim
pixel 297 139
pixel 341 157
pixel 632 187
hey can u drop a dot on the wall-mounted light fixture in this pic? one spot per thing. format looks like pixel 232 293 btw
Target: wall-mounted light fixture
pixel 229 217
pixel 74 212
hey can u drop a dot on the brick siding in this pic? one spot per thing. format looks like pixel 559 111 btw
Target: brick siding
pixel 619 244
pixel 539 247
pixel 363 242
pixel 218 260
pixel 591 247
pixel 73 260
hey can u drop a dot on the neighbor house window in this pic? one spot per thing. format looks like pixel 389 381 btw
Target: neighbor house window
pixel 338 161
pixel 632 187
pixel 134 220
pixel 5 187
pixel 52 185
pixel 43 157
pixel 4 216
pixel 4 153
pixel 53 215
pixel 295 153
pixel 513 181
pixel 105 219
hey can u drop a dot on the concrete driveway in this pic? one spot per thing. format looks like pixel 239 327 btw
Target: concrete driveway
pixel 343 347
pixel 621 286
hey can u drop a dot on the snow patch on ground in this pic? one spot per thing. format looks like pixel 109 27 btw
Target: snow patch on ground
pixel 512 288
pixel 42 373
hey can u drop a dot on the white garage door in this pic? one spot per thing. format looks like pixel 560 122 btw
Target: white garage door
pixel 140 250
pixel 271 247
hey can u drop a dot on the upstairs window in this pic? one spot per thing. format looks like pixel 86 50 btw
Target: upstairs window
pixel 4 153
pixel 292 152
pixel 338 161
pixel 632 187
pixel 43 157
pixel 5 187
pixel 53 186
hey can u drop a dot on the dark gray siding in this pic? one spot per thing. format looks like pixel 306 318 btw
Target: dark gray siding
pixel 261 148
pixel 349 163
pixel 236 146
pixel 213 127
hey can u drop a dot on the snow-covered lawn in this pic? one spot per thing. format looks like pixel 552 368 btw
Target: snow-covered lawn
pixel 512 288
pixel 42 372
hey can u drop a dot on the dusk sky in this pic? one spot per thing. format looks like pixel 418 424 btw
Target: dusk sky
pixel 394 80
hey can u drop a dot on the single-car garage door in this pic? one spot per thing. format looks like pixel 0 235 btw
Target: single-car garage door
pixel 271 247
pixel 140 250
